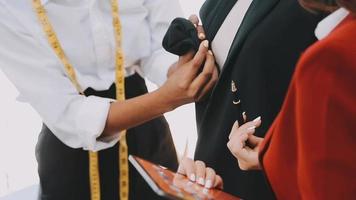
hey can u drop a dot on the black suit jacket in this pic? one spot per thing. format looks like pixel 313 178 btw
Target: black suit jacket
pixel 261 62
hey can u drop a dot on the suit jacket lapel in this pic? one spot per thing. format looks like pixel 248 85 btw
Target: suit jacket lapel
pixel 257 11
pixel 213 14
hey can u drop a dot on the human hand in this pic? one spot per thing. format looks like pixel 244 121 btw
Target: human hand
pixel 201 35
pixel 244 145
pixel 187 84
pixel 197 172
pixel 200 30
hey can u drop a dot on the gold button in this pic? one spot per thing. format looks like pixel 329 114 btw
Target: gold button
pixel 233 86
pixel 236 102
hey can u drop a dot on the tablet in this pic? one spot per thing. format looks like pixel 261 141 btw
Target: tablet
pixel 175 186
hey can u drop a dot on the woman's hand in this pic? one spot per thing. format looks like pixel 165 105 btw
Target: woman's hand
pixel 201 35
pixel 244 145
pixel 197 172
pixel 195 20
pixel 191 78
pixel 190 81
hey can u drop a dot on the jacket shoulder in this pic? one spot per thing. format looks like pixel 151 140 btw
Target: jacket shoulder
pixel 335 52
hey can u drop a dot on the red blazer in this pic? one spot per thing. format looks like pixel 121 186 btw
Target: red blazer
pixel 310 150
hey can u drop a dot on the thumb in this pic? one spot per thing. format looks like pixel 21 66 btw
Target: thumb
pixel 254 141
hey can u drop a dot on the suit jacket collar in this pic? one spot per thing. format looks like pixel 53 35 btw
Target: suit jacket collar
pixel 213 14
pixel 257 11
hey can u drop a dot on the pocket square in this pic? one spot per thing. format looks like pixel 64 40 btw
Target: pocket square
pixel 181 37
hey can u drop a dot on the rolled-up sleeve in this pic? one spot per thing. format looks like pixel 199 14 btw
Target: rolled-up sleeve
pixel 36 72
pixel 160 15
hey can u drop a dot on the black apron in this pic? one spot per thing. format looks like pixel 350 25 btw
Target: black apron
pixel 64 171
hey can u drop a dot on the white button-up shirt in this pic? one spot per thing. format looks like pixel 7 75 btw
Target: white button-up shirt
pixel 85 31
pixel 328 24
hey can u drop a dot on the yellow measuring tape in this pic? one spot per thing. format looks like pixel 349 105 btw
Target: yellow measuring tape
pixel 120 95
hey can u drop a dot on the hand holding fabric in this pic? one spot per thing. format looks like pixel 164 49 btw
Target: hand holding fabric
pixel 182 36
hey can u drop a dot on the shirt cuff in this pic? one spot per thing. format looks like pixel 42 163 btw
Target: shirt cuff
pixel 93 115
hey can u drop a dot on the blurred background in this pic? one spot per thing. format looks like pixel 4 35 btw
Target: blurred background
pixel 20 125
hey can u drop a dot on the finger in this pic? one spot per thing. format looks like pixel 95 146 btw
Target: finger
pixel 252 124
pixel 257 121
pixel 237 146
pixel 196 62
pixel 218 182
pixel 194 19
pixel 254 140
pixel 237 142
pixel 205 76
pixel 209 177
pixel 209 86
pixel 248 128
pixel 187 167
pixel 201 32
pixel 234 128
pixel 200 172
pixel 200 56
pixel 186 58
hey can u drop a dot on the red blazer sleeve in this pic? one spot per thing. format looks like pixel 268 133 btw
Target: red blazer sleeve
pixel 310 150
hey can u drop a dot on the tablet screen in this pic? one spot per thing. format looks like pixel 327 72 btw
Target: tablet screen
pixel 175 186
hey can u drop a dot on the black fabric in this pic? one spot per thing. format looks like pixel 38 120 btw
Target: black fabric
pixel 63 171
pixel 261 61
pixel 181 37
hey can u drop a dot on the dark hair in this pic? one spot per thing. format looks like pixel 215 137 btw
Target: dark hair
pixel 348 4
pixel 319 5
pixel 328 5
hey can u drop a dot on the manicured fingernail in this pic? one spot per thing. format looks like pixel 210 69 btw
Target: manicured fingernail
pixel 201 181
pixel 208 184
pixel 206 43
pixel 210 52
pixel 252 128
pixel 192 177
pixel 195 25
pixel 201 36
pixel 257 119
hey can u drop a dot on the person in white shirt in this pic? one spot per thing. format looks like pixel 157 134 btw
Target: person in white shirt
pixel 64 57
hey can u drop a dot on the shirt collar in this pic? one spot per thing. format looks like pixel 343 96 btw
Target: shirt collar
pixel 327 25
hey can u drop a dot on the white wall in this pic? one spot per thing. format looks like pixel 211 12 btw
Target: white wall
pixel 20 125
